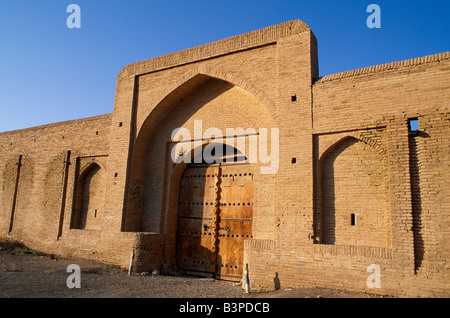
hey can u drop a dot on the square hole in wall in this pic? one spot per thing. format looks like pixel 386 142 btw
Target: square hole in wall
pixel 294 98
pixel 413 125
pixel 294 160
pixel 353 219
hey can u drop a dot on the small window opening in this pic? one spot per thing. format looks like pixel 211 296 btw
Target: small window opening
pixel 115 175
pixel 294 160
pixel 95 213
pixel 413 125
pixel 120 124
pixel 294 98
pixel 353 219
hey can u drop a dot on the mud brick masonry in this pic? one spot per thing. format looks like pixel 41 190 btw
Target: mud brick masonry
pixel 356 185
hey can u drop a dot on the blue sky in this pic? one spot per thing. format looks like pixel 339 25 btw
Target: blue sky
pixel 50 73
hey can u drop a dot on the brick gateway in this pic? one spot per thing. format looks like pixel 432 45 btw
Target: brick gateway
pixel 356 185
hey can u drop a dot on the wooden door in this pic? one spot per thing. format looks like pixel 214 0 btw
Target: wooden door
pixel 215 217
pixel 195 236
pixel 235 221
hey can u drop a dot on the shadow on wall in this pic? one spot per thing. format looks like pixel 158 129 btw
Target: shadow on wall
pixel 416 199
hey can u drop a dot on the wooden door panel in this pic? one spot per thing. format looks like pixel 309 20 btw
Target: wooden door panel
pixel 195 239
pixel 230 255
pixel 236 213
pixel 237 192
pixel 195 246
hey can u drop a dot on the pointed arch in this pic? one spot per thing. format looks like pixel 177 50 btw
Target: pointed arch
pixel 89 197
pixel 353 195
pixel 359 137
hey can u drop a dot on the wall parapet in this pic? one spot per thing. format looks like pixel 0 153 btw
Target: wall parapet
pixel 385 67
pixel 236 43
pixel 103 117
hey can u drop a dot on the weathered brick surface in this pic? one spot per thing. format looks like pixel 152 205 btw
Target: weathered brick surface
pixel 354 187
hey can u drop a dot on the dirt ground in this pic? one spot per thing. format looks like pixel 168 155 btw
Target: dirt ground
pixel 27 275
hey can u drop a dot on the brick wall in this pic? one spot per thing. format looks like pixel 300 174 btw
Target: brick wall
pixel 368 110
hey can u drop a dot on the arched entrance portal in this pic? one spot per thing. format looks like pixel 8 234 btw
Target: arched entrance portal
pixel 214 218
